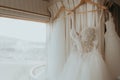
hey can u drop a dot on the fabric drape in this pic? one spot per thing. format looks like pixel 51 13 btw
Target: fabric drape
pixel 115 1
pixel 56 46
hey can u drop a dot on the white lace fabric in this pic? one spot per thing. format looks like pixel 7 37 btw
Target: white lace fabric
pixel 76 44
pixel 85 41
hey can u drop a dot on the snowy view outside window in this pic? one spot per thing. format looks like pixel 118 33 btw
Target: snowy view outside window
pixel 22 49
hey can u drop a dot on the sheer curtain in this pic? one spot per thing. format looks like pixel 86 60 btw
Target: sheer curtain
pixel 56 46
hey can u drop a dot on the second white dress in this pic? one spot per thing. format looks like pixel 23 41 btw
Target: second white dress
pixel 112 48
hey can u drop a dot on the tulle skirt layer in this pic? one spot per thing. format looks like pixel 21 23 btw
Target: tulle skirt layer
pixel 72 67
pixel 112 51
pixel 94 67
pixel 89 66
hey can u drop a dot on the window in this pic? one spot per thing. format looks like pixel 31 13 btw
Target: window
pixel 22 41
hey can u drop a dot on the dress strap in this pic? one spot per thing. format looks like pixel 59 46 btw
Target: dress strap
pixel 100 34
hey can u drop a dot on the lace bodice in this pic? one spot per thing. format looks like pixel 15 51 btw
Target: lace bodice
pixel 88 39
pixel 76 44
pixel 110 26
pixel 84 42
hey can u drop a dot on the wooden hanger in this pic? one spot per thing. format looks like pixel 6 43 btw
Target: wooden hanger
pixel 82 2
pixel 83 12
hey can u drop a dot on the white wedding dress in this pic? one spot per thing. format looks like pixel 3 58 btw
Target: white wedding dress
pixel 112 48
pixel 84 62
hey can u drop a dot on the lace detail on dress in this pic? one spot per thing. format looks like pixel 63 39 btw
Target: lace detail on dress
pixel 85 41
pixel 88 38
pixel 110 24
pixel 76 44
